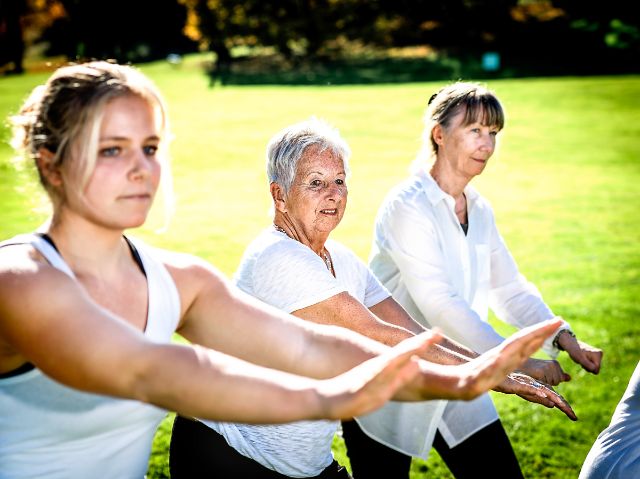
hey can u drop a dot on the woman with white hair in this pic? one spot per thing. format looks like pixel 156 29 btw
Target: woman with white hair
pixel 294 266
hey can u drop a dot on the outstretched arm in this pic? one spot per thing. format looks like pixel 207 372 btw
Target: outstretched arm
pixel 48 319
pixel 451 352
pixel 219 316
pixel 489 369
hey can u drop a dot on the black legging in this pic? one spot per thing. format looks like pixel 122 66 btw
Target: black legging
pixel 198 451
pixel 487 453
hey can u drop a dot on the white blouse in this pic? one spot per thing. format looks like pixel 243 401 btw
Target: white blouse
pixel 449 280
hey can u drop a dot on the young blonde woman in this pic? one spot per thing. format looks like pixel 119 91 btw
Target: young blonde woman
pixel 87 313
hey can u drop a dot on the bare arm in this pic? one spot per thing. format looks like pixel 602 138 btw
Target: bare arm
pixel 454 353
pixel 386 322
pixel 447 350
pixel 48 319
pixel 219 316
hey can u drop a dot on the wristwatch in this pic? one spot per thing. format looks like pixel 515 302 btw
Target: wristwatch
pixel 556 343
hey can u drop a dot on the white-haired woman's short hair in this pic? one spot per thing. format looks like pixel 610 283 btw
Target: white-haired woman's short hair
pixel 287 147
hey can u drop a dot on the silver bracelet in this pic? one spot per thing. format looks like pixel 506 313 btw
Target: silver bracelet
pixel 556 343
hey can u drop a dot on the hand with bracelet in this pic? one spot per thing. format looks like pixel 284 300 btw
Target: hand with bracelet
pixel 581 353
pixel 550 371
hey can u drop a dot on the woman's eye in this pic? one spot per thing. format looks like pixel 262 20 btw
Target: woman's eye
pixel 150 150
pixel 493 133
pixel 111 151
pixel 316 183
pixel 339 182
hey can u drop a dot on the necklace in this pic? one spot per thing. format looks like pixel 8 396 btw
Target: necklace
pixel 280 229
pixel 327 261
pixel 325 256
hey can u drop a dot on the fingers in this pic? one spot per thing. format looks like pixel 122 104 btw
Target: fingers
pixel 492 367
pixel 371 384
pixel 560 403
pixel 590 366
pixel 548 371
pixel 399 365
pixel 418 343
pixel 554 374
pixel 401 370
pixel 518 347
pixel 530 339
pixel 586 356
pixel 535 391
pixel 402 359
pixel 592 361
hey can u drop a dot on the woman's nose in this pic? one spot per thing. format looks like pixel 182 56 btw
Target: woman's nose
pixel 488 142
pixel 141 166
pixel 335 191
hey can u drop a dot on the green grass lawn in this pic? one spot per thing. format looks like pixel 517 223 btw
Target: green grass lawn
pixel 563 184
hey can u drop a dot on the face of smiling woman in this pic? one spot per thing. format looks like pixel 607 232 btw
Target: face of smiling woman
pixel 317 200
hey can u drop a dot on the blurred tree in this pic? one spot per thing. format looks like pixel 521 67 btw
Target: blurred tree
pixel 292 27
pixel 123 30
pixel 12 42
pixel 547 34
pixel 616 24
pixel 568 36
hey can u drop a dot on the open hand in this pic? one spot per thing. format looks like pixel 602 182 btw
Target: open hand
pixel 371 384
pixel 491 368
pixel 535 391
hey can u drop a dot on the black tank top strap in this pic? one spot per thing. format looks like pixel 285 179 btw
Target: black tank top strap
pixel 25 368
pixel 48 239
pixel 134 250
pixel 136 255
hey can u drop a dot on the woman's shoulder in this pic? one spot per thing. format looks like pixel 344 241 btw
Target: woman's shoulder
pixel 408 188
pixel 269 255
pixel 274 246
pixel 337 248
pixel 20 254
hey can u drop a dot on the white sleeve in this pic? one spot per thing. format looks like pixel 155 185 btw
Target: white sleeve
pixel 412 242
pixel 511 297
pixel 289 276
pixel 375 292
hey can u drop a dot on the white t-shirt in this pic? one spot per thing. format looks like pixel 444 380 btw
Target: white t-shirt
pixel 447 279
pixel 48 430
pixel 289 275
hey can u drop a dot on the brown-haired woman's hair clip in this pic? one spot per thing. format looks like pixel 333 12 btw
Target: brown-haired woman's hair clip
pixel 435 95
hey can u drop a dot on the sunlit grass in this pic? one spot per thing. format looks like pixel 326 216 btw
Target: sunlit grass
pixel 563 184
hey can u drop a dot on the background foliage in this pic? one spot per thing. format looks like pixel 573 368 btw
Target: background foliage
pixel 532 37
